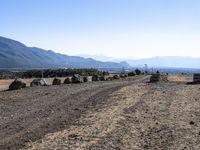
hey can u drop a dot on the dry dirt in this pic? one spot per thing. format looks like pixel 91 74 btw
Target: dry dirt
pixel 123 114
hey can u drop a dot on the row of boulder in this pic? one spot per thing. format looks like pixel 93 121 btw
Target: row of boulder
pixel 19 83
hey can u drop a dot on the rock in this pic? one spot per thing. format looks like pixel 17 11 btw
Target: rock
pixel 196 78
pixel 191 122
pixel 56 81
pixel 17 84
pixel 109 78
pixel 102 78
pixel 77 79
pixel 38 82
pixel 68 81
pixel 85 79
pixel 123 75
pixel 131 74
pixel 155 78
pixel 95 78
pixel 116 77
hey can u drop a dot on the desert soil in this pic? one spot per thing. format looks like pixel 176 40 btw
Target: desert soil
pixel 122 114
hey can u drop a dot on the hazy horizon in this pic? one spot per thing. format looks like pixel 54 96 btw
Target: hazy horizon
pixel 114 28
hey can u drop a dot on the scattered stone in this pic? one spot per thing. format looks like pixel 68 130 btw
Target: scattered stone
pixel 102 78
pixel 85 79
pixel 109 79
pixel 56 81
pixel 17 84
pixel 191 122
pixel 196 78
pixel 67 81
pixel 38 82
pixel 131 74
pixel 116 77
pixel 77 79
pixel 155 78
pixel 95 78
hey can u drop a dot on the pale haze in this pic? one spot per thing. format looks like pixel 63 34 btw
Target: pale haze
pixel 114 28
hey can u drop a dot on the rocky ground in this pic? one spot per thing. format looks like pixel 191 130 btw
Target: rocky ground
pixel 122 114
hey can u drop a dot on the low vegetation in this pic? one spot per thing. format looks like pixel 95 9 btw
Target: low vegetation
pixel 47 73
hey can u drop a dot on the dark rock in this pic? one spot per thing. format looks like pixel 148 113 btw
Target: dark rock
pixel 131 74
pixel 116 77
pixel 17 84
pixel 191 122
pixel 102 78
pixel 95 78
pixel 77 79
pixel 85 79
pixel 67 81
pixel 56 81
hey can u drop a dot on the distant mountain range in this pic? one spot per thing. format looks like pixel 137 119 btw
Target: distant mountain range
pixel 14 54
pixel 157 62
pixel 169 61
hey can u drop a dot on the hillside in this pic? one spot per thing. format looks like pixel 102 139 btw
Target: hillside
pixel 14 54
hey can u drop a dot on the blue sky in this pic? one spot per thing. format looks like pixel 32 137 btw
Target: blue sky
pixel 117 28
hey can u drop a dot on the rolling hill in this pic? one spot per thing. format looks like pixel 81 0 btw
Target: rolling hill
pixel 14 54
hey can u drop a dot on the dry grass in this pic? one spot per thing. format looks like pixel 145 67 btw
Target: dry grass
pixel 180 78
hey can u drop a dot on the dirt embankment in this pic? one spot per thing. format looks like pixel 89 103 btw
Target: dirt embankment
pixel 27 115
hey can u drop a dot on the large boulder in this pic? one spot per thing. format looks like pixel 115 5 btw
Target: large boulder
pixel 77 78
pixel 109 78
pixel 123 75
pixel 131 74
pixel 116 77
pixel 85 79
pixel 196 78
pixel 67 81
pixel 56 81
pixel 102 78
pixel 17 84
pixel 155 78
pixel 95 78
pixel 39 82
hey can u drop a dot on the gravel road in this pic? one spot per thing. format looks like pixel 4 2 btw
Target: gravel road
pixel 139 116
pixel 29 114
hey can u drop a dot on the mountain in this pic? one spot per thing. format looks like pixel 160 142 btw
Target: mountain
pixel 99 57
pixel 157 62
pixel 14 54
pixel 169 61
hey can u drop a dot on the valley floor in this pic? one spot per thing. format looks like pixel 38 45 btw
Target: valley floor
pixel 123 114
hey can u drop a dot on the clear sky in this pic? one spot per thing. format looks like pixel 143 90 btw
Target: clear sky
pixel 117 28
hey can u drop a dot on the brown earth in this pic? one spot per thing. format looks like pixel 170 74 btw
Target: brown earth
pixel 28 114
pixel 114 115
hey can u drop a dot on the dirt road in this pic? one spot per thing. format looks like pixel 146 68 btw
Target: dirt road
pixel 141 116
pixel 29 114
pixel 103 115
